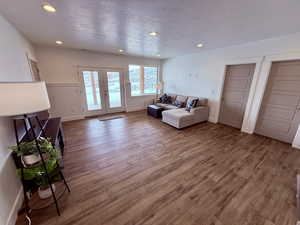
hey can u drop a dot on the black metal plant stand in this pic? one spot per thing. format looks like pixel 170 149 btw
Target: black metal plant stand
pixel 30 132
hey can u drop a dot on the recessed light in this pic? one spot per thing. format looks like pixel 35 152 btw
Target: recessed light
pixel 153 33
pixel 49 8
pixel 121 50
pixel 59 42
pixel 199 45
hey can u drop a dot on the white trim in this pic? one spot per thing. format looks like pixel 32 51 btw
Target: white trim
pixel 63 84
pixel 70 118
pixel 296 141
pixel 295 146
pixel 259 91
pixel 30 65
pixel 144 65
pixel 249 106
pixel 212 119
pixel 13 215
pixel 283 57
pixel 143 95
pixel 219 98
pixel 135 108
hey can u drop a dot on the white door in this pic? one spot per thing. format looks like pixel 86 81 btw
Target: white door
pixel 235 94
pixel 279 115
pixel 114 90
pixel 103 91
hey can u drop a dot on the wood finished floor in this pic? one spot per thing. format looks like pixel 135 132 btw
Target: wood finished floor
pixel 139 171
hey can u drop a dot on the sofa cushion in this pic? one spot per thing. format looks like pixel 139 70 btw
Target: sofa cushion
pixel 173 97
pixel 169 106
pixel 202 102
pixel 166 106
pixel 161 104
pixel 181 98
pixel 178 114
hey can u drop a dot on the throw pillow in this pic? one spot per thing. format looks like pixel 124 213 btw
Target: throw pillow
pixel 191 104
pixel 179 104
pixel 165 99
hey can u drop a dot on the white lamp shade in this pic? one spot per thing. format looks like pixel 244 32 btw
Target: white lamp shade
pixel 23 98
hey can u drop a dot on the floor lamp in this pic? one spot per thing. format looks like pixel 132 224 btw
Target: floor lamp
pixel 22 101
pixel 158 89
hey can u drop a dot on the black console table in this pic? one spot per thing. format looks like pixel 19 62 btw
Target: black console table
pixel 53 130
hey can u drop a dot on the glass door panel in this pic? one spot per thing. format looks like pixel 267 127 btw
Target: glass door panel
pixel 114 89
pixel 92 90
pixel 103 91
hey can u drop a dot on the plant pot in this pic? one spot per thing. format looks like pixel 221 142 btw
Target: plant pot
pixel 29 160
pixel 45 192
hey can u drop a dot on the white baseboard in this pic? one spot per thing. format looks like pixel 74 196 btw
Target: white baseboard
pixel 212 119
pixel 70 118
pixel 135 108
pixel 13 215
pixel 298 147
pixel 246 130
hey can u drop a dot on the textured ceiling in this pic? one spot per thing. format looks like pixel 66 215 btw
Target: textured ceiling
pixel 109 25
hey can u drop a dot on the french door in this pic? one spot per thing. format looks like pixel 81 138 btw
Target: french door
pixel 103 91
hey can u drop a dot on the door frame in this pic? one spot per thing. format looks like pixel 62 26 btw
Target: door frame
pixel 252 91
pixel 105 109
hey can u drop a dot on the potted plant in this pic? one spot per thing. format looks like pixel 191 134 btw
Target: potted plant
pixel 36 172
pixel 41 180
pixel 29 153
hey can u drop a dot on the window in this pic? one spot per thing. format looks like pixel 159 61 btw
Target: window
pixel 143 79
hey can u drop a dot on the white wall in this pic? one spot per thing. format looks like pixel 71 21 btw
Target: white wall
pixel 59 68
pixel 13 67
pixel 201 74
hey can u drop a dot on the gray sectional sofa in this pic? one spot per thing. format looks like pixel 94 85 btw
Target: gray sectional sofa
pixel 179 117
